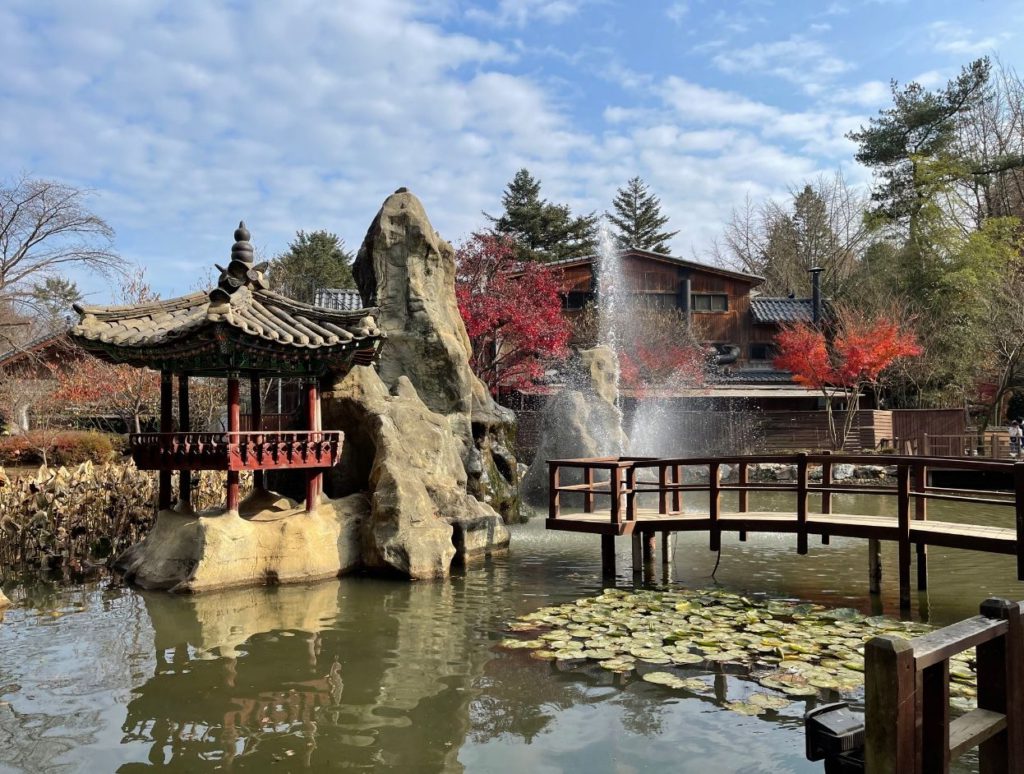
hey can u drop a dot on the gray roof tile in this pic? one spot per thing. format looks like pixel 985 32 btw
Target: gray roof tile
pixel 765 309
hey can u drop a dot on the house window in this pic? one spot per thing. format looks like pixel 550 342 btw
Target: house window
pixel 575 299
pixel 709 302
pixel 762 351
pixel 657 300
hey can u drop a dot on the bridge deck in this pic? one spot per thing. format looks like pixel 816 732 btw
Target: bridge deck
pixel 937 533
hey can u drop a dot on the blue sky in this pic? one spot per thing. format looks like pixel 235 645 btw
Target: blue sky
pixel 185 116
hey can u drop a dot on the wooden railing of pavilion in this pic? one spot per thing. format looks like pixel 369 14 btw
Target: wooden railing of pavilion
pixel 907 719
pixel 621 480
pixel 252 450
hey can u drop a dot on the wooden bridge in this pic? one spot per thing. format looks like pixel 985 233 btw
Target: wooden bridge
pixel 619 481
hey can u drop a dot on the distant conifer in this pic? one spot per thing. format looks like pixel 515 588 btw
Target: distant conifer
pixel 638 220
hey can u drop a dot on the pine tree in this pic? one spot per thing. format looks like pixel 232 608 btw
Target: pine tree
pixel 315 260
pixel 542 231
pixel 638 219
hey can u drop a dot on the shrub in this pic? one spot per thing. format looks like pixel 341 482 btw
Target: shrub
pixel 68 447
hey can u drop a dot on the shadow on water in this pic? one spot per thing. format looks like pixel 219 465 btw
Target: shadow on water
pixel 384 675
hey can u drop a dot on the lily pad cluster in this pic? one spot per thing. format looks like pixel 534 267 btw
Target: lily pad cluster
pixel 676 638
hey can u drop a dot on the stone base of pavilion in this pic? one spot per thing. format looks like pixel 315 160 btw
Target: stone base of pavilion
pixel 270 540
pixel 273 540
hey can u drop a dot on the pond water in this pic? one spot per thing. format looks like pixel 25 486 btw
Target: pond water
pixel 364 674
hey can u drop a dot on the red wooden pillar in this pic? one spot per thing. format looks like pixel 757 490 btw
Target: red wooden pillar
pixel 166 428
pixel 184 420
pixel 256 409
pixel 234 422
pixel 314 476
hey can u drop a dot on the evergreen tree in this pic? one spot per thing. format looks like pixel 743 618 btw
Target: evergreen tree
pixel 52 299
pixel 315 260
pixel 638 220
pixel 542 231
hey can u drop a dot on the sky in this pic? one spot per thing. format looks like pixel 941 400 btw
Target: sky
pixel 184 116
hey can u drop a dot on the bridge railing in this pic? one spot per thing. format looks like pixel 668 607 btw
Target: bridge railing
pixel 907 713
pixel 623 479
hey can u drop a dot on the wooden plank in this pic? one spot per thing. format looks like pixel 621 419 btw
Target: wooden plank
pixel 939 645
pixel 971 729
pixel 889 685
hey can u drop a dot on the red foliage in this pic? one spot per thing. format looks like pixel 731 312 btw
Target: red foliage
pixel 513 312
pixel 655 364
pixel 96 386
pixel 862 348
pixel 855 356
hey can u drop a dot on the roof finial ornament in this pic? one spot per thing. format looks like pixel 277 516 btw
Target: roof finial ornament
pixel 242 250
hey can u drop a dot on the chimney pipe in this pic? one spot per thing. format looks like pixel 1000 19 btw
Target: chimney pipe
pixel 815 273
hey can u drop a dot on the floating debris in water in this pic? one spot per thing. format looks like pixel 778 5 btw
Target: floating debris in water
pixel 798 650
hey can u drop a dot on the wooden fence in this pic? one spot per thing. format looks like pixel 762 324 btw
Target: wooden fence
pixel 907 720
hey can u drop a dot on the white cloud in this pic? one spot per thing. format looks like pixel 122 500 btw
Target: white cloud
pixel 676 12
pixel 521 12
pixel 699 104
pixel 950 38
pixel 867 94
pixel 797 59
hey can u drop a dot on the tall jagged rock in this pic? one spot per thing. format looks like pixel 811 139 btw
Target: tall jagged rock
pixel 407 270
pixel 578 423
pixel 421 515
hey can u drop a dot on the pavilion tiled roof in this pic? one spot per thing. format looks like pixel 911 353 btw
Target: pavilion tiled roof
pixel 342 299
pixel 765 309
pixel 241 307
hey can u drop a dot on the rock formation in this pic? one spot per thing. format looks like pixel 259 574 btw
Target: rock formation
pixel 421 515
pixel 578 423
pixel 4 601
pixel 266 542
pixel 407 270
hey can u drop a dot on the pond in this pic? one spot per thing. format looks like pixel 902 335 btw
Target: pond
pixel 367 674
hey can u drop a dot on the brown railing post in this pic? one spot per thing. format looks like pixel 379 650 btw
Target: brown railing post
pixel 920 486
pixel 890 699
pixel 1018 496
pixel 934 703
pixel 903 520
pixel 801 503
pixel 742 498
pixel 615 487
pixel 715 504
pixel 631 493
pixel 826 492
pixel 999 688
pixel 677 494
pixel 588 496
pixel 662 490
pixel 554 500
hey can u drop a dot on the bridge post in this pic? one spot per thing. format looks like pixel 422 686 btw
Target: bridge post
pixel 743 499
pixel 677 494
pixel 638 552
pixel 714 504
pixel 903 520
pixel 801 503
pixel 588 495
pixel 1000 688
pixel 826 492
pixel 554 494
pixel 874 566
pixel 1018 492
pixel 668 546
pixel 608 556
pixel 890 743
pixel 662 488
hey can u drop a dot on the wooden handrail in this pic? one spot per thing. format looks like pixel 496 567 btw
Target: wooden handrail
pixel 907 719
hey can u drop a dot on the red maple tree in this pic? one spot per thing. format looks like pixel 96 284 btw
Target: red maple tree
pixel 96 388
pixel 660 352
pixel 512 312
pixel 844 360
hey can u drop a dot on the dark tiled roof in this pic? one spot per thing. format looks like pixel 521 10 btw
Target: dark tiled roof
pixel 341 299
pixel 764 309
pixel 241 305
pixel 37 344
pixel 754 376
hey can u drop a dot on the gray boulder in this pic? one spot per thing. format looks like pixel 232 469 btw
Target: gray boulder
pixel 407 270
pixel 578 423
pixel 842 471
pixel 409 460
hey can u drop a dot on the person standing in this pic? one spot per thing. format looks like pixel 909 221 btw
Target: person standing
pixel 1015 432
